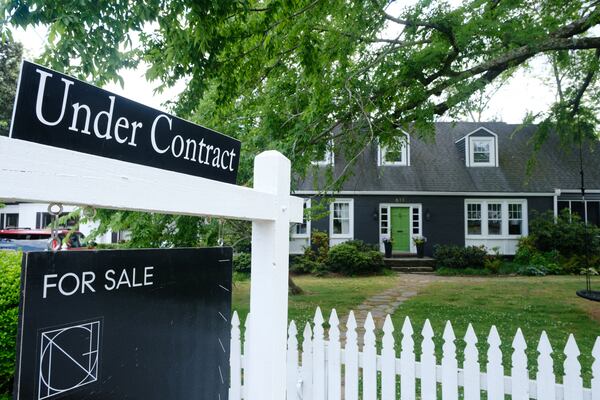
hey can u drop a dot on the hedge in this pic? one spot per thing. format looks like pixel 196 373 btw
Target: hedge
pixel 10 281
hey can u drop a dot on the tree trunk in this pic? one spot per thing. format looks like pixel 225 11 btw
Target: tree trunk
pixel 293 288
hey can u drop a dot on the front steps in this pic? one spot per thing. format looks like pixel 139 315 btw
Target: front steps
pixel 411 264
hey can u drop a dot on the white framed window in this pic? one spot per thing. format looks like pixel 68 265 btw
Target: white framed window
pixel 515 218
pixel 474 219
pixel 327 157
pixel 341 219
pixel 302 230
pixel 397 154
pixel 384 221
pixel 495 218
pixel 482 152
pixel 10 220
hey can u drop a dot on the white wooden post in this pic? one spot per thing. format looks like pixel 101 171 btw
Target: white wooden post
pixel 318 363
pixel 334 368
pixel 247 341
pixel 269 282
pixel 369 360
pixel 596 370
pixel 235 359
pixel 495 370
pixel 519 373
pixel 449 365
pixel 307 362
pixel 388 361
pixel 572 381
pixel 407 362
pixel 428 364
pixel 292 363
pixel 545 381
pixel 471 366
pixel 351 369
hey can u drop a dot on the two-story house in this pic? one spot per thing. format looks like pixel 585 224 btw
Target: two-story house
pixel 469 185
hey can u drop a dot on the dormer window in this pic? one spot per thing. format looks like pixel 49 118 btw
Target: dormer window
pixel 482 152
pixel 328 156
pixel 480 148
pixel 396 154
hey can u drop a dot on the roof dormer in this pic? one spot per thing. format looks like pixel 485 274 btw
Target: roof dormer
pixel 395 154
pixel 480 148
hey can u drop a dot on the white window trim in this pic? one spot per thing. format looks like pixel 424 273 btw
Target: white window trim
pixel 493 152
pixel 350 234
pixel 329 157
pixel 382 150
pixel 484 218
pixel 468 147
pixel 306 235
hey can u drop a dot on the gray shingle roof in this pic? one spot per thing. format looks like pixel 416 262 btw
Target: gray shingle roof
pixel 439 166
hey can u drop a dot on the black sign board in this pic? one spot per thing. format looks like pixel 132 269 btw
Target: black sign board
pixel 125 324
pixel 57 110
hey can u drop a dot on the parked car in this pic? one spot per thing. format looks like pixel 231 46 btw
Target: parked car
pixel 35 237
pixel 24 245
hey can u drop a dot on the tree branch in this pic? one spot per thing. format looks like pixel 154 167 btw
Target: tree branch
pixel 492 68
pixel 416 23
pixel 401 43
pixel 576 102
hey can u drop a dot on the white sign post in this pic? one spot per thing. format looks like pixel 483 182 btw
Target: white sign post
pixel 40 173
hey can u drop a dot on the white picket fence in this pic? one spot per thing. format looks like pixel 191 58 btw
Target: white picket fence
pixel 314 371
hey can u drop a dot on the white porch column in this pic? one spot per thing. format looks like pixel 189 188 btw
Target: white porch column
pixel 265 359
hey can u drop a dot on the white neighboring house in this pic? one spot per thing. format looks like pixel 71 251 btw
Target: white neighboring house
pixel 36 216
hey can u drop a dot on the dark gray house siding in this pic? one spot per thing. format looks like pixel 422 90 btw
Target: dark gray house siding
pixel 446 224
pixel 442 172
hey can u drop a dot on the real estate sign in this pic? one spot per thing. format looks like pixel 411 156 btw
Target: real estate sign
pixel 125 324
pixel 57 110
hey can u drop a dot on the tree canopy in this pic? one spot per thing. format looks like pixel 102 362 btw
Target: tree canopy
pixel 10 59
pixel 285 73
pixel 294 75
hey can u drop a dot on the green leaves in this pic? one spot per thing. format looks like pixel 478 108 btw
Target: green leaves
pixel 10 61
pixel 297 75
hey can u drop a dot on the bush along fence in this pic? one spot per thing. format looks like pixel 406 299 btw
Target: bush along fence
pixel 314 369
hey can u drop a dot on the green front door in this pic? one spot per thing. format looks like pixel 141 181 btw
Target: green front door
pixel 401 229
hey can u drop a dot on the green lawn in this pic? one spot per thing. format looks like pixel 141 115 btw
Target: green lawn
pixel 343 294
pixel 534 304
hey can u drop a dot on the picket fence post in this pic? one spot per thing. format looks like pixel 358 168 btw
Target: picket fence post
pixel 428 364
pixel 545 380
pixel 235 359
pixel 351 350
pixel 407 363
pixel 317 374
pixel 471 366
pixel 519 373
pixel 388 362
pixel 292 363
pixel 318 348
pixel 495 370
pixel 334 353
pixel 572 380
pixel 307 364
pixel 247 341
pixel 369 361
pixel 596 370
pixel 449 365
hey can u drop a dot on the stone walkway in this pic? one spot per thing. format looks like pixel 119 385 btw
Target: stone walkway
pixel 388 301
